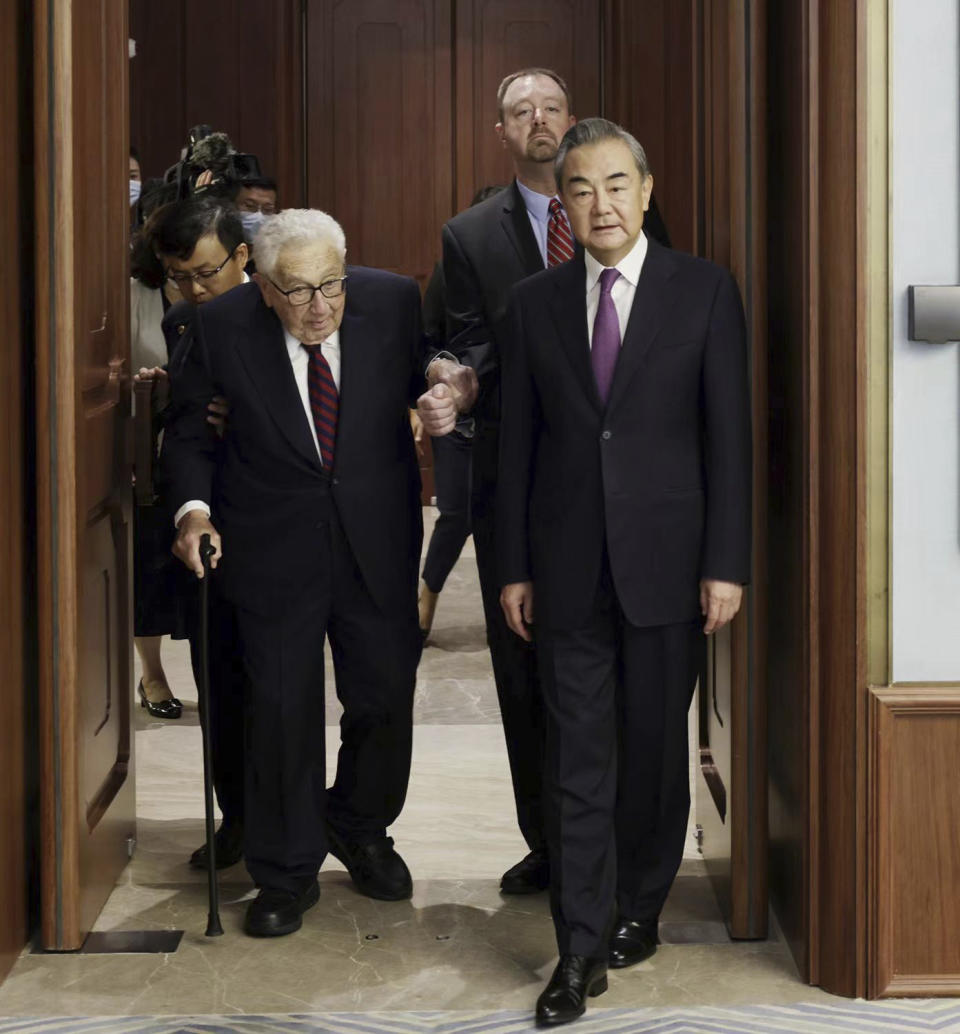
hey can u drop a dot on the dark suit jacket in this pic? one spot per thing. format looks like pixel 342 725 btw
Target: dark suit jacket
pixel 486 250
pixel 660 477
pixel 265 482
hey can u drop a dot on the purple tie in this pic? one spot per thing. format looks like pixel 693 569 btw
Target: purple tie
pixel 606 335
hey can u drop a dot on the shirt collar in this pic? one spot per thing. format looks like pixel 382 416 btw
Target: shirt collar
pixel 293 344
pixel 246 279
pixel 628 267
pixel 538 205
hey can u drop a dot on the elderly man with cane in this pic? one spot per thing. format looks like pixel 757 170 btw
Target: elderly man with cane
pixel 312 504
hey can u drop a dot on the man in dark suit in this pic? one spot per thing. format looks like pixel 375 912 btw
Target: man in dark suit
pixel 624 503
pixel 199 242
pixel 313 506
pixel 486 250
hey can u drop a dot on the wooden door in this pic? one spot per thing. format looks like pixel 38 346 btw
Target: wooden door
pixel 378 127
pixel 13 613
pixel 730 230
pixel 496 37
pixel 83 459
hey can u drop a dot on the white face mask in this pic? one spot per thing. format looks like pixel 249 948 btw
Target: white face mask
pixel 135 186
pixel 252 221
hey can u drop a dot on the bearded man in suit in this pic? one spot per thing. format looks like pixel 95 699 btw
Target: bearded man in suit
pixel 623 536
pixel 312 501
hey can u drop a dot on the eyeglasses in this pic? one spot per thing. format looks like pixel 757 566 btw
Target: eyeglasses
pixel 202 276
pixel 267 208
pixel 304 295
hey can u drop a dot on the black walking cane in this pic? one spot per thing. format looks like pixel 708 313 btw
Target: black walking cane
pixel 214 929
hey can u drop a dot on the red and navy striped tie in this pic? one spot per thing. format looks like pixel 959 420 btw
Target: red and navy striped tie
pixel 324 402
pixel 559 238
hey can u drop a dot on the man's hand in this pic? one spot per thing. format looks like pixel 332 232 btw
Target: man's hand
pixel 719 603
pixel 150 373
pixel 161 384
pixel 516 600
pixel 437 412
pixel 218 409
pixel 186 546
pixel 460 379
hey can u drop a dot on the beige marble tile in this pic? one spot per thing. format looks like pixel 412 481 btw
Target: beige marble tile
pixel 457 945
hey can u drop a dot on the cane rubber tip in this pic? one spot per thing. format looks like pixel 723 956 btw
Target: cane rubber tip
pixel 214 929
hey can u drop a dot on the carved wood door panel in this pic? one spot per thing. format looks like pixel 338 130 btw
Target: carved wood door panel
pixel 83 430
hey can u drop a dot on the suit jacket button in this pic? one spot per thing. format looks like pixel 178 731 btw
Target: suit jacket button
pixel 336 481
pixel 607 435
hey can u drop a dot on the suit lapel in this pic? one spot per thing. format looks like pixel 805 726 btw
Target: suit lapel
pixel 263 351
pixel 353 328
pixel 651 303
pixel 570 317
pixel 515 223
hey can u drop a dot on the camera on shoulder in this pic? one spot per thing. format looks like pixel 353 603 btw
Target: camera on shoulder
pixel 207 151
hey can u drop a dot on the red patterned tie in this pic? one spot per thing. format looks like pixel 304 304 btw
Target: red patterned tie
pixel 559 238
pixel 324 402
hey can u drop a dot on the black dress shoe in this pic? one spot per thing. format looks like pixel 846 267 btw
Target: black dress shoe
pixel 169 708
pixel 565 997
pixel 375 868
pixel 632 941
pixel 227 847
pixel 273 913
pixel 529 876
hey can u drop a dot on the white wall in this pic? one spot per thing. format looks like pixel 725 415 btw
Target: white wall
pixel 925 181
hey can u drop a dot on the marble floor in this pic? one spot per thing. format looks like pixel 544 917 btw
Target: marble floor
pixel 456 946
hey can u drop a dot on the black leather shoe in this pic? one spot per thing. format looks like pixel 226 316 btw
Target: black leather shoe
pixel 574 980
pixel 375 868
pixel 632 941
pixel 273 913
pixel 169 708
pixel 529 876
pixel 227 844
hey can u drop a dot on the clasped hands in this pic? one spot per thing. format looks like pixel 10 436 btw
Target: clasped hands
pixel 719 603
pixel 452 391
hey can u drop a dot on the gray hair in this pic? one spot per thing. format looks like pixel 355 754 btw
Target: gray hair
pixel 296 226
pixel 592 131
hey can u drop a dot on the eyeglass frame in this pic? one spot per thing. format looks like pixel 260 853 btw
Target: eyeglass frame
pixel 313 288
pixel 202 275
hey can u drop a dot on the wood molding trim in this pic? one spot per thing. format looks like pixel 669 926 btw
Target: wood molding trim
pixel 913 814
pixel 13 875
pixel 57 519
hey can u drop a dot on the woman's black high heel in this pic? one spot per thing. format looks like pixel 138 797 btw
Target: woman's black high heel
pixel 171 708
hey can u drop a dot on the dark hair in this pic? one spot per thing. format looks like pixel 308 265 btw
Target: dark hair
pixel 175 229
pixel 255 183
pixel 144 264
pixel 485 192
pixel 593 131
pixel 134 154
pixel 549 73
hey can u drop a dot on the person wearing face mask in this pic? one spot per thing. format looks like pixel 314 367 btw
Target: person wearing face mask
pixel 135 177
pixel 256 201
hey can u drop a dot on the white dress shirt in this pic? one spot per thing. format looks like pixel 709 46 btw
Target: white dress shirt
pixel 623 290
pixel 300 362
pixel 538 211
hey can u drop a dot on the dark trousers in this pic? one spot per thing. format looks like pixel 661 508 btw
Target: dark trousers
pixel 452 476
pixel 227 696
pixel 375 656
pixel 518 686
pixel 617 769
